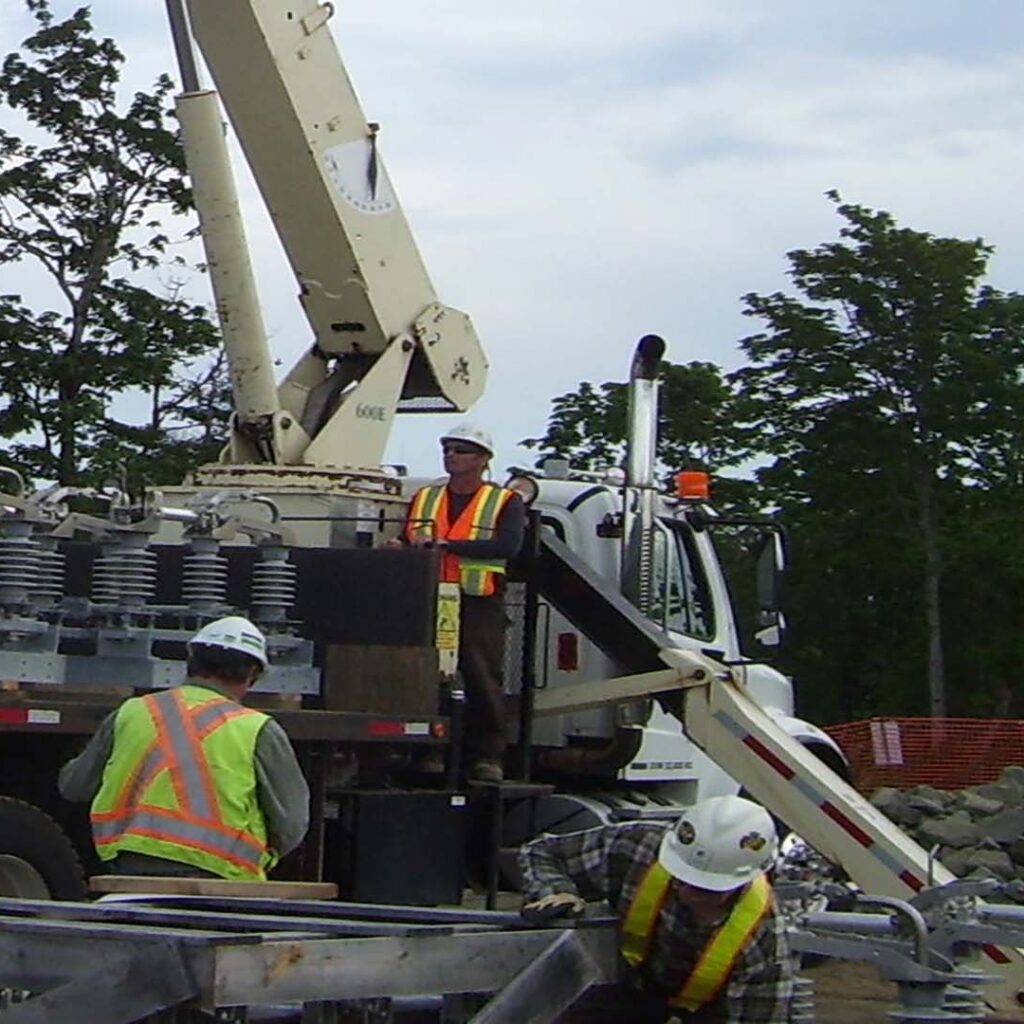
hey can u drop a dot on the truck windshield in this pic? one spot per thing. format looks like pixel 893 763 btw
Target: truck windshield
pixel 681 596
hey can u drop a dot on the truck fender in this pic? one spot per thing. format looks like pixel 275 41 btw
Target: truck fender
pixel 816 740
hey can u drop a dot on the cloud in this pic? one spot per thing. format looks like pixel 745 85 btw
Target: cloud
pixel 578 174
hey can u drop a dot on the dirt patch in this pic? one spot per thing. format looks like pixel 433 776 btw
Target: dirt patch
pixel 846 993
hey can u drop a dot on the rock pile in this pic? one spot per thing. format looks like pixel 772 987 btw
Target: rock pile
pixel 979 830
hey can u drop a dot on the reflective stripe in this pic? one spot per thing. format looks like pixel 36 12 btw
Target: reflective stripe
pixel 485 513
pixel 188 766
pixel 725 946
pixel 428 517
pixel 638 926
pixel 424 511
pixel 150 822
pixel 722 949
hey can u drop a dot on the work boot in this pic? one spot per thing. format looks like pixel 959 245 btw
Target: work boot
pixel 487 770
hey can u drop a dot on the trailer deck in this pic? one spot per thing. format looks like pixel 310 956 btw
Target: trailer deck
pixel 118 961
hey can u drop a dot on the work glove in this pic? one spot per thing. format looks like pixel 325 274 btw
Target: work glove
pixel 557 904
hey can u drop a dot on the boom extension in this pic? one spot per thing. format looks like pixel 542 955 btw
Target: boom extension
pixel 777 770
pixel 383 342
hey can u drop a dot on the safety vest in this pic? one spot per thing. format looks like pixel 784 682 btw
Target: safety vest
pixel 428 517
pixel 181 784
pixel 716 961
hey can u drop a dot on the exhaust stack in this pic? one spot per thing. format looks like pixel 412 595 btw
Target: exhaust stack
pixel 641 486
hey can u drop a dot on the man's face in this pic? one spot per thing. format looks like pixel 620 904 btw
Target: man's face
pixel 462 457
pixel 703 900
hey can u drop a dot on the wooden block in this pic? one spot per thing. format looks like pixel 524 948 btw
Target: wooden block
pixel 175 886
pixel 382 680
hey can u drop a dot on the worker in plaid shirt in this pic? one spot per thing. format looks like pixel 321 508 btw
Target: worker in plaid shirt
pixel 700 932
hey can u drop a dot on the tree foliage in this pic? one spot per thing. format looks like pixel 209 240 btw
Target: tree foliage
pixel 84 192
pixel 887 395
pixel 879 416
pixel 588 426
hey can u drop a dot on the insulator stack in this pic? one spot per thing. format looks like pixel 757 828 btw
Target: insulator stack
pixel 125 574
pixel 802 1010
pixel 204 576
pixel 965 1003
pixel 50 582
pixel 928 1002
pixel 19 563
pixel 273 585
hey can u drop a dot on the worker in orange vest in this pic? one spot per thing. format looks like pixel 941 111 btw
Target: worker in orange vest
pixel 701 936
pixel 478 525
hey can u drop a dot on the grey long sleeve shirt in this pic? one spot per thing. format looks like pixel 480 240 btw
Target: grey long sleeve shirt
pixel 281 787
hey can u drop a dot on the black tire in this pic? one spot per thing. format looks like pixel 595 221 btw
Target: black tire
pixel 37 859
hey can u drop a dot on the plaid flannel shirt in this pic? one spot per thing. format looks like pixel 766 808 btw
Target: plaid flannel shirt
pixel 608 864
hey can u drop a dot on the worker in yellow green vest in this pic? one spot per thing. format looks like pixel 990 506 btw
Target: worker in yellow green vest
pixel 187 781
pixel 701 938
pixel 478 525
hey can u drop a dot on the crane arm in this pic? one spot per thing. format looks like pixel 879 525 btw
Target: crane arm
pixel 383 341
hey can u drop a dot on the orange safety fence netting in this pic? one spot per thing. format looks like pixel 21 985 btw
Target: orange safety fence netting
pixel 948 753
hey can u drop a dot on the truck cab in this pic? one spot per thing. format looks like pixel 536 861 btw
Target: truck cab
pixel 639 743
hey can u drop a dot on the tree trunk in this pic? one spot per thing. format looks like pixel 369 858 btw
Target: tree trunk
pixel 929 527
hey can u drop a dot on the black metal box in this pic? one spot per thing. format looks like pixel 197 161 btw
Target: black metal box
pixel 397 847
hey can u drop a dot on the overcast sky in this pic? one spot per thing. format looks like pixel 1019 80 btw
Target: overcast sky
pixel 578 174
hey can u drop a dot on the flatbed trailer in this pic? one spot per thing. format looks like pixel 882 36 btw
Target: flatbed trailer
pixel 175 959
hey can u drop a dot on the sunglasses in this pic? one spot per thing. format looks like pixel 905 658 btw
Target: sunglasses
pixel 461 449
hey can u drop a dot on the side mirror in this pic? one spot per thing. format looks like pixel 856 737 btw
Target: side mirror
pixel 771 634
pixel 771 566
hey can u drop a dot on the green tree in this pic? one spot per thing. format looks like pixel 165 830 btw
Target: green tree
pixel 887 396
pixel 588 426
pixel 83 197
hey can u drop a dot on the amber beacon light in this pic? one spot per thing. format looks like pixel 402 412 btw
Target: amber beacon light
pixel 693 486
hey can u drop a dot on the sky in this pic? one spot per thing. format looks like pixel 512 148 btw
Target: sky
pixel 578 174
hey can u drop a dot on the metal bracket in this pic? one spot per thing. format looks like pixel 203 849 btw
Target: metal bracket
pixel 319 18
pixel 124 988
pixel 549 985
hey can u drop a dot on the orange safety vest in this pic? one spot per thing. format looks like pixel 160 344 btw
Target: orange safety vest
pixel 181 784
pixel 723 949
pixel 428 517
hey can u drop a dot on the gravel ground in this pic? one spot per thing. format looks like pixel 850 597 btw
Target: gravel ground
pixel 847 993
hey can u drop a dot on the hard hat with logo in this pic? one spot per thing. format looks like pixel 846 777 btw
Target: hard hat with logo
pixel 472 435
pixel 233 633
pixel 720 844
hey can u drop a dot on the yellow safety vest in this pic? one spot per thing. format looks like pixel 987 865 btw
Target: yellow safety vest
pixel 716 961
pixel 428 517
pixel 181 784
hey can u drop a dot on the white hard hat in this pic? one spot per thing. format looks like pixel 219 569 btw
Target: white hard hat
pixel 720 844
pixel 233 633
pixel 473 435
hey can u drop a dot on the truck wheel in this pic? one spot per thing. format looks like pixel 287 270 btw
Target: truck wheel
pixel 37 861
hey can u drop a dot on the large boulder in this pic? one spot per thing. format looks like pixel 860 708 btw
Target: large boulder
pixel 994 862
pixel 978 806
pixel 943 797
pixel 1006 793
pixel 1013 775
pixel 955 860
pixel 956 830
pixel 1005 827
pixel 895 805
